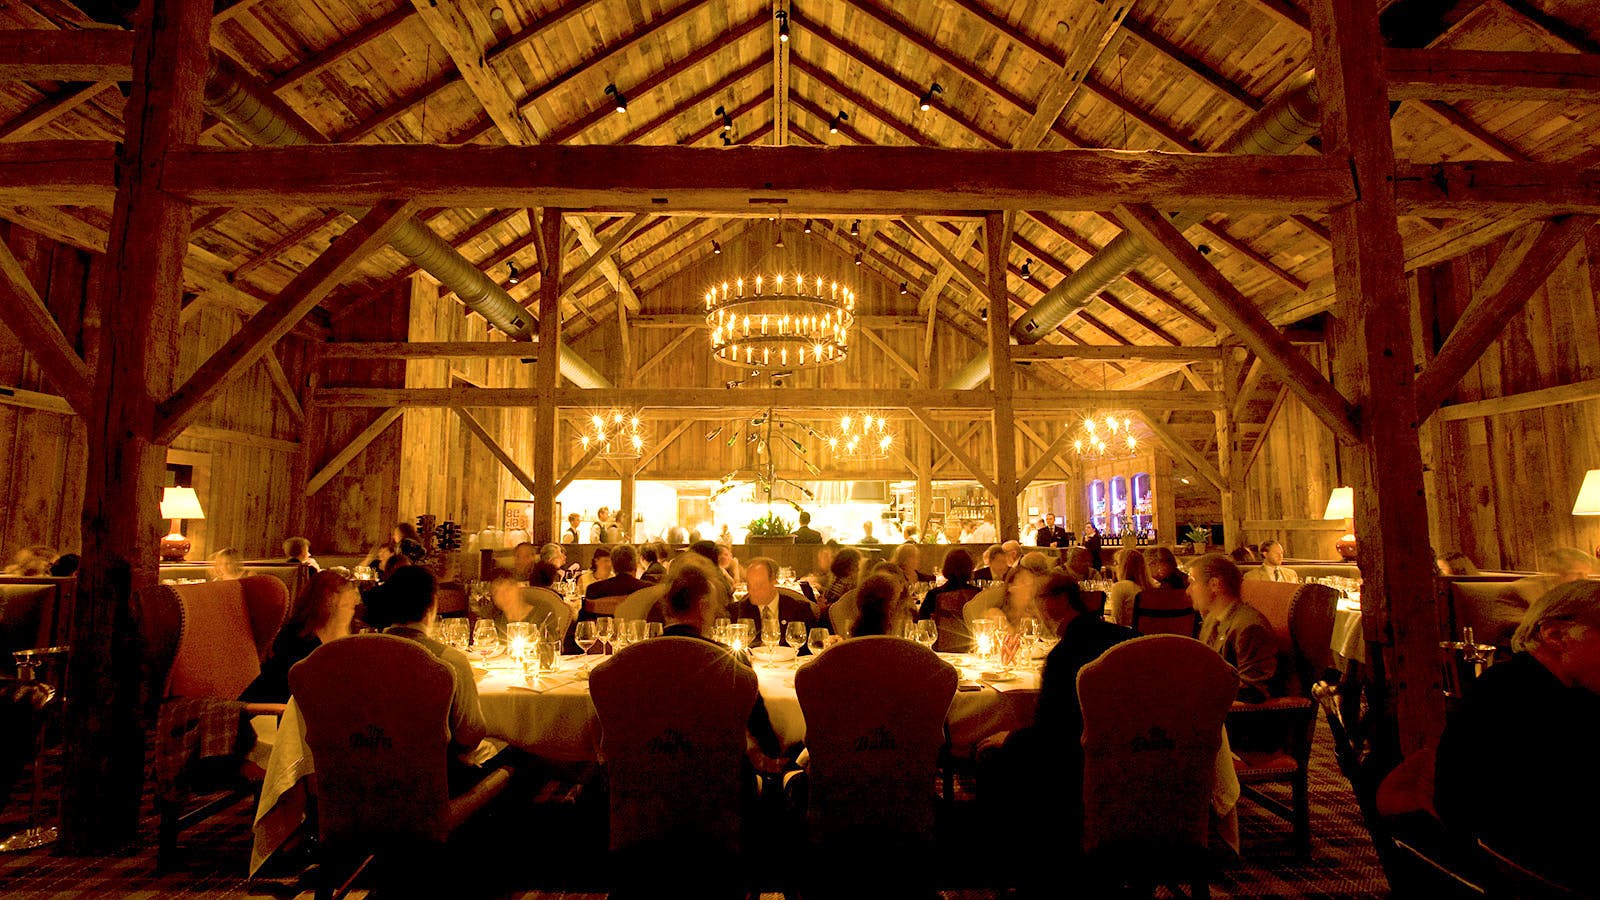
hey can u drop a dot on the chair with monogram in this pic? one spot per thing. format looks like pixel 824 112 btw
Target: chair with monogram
pixel 1153 712
pixel 673 714
pixel 376 710
pixel 875 709
pixel 206 643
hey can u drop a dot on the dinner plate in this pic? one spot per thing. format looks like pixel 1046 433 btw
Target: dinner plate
pixel 998 677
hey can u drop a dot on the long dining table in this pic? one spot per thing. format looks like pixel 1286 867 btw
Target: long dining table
pixel 554 718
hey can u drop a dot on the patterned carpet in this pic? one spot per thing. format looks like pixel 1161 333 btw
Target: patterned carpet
pixel 1342 863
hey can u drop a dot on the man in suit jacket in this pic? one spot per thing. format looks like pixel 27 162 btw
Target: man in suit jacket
pixel 625 563
pixel 805 534
pixel 765 602
pixel 1234 628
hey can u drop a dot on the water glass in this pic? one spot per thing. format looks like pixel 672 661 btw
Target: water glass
pixel 453 632
pixel 816 640
pixel 927 633
pixel 741 634
pixel 653 630
pixel 485 639
pixel 605 630
pixel 795 632
pixel 770 631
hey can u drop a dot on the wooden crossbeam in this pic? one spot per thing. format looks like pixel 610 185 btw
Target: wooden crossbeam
pixel 604 251
pixel 279 316
pixel 955 450
pixel 888 351
pixel 650 455
pixel 1181 447
pixel 1247 386
pixel 665 351
pixel 967 435
pixel 97 54
pixel 429 350
pixel 1046 457
pixel 1522 268
pixel 352 450
pixel 25 313
pixel 761 398
pixel 1266 429
pixel 1239 315
pixel 1455 75
pixel 1119 352
pixel 1063 88
pixel 494 448
pixel 576 469
pixel 50 109
pixel 1576 392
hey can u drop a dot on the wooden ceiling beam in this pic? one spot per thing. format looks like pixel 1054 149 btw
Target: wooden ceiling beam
pixel 1063 89
pixel 1526 263
pixel 1182 449
pixel 279 316
pixel 1132 277
pixel 1163 47
pixel 1242 317
pixel 1455 75
pixel 494 448
pixel 427 350
pixel 51 108
pixel 351 450
pixel 286 243
pixel 860 103
pixel 1475 134
pixel 954 448
pixel 53 54
pixel 24 312
pixel 1137 352
pixel 1261 261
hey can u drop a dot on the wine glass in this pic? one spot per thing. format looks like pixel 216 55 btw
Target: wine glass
pixel 585 635
pixel 816 639
pixel 605 628
pixel 653 630
pixel 795 632
pixel 453 632
pixel 485 639
pixel 927 633
pixel 770 630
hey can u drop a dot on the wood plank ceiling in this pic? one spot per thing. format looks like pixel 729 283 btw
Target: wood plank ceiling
pixel 1168 76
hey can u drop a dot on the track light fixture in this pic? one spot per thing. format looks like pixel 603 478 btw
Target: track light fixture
pixel 840 116
pixel 716 249
pixel 855 228
pixel 858 259
pixel 904 289
pixel 777 242
pixel 808 226
pixel 512 278
pixel 621 101
pixel 726 141
pixel 1027 269
pixel 926 103
pixel 783 25
pixel 727 120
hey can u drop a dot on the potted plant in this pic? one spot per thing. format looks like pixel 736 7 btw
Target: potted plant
pixel 1198 536
pixel 770 529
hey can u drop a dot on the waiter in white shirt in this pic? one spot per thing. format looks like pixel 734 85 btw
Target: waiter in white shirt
pixel 1272 567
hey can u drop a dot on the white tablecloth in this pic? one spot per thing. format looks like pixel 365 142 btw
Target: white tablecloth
pixel 1348 642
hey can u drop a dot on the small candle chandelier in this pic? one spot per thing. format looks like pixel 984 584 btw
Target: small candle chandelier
pixel 861 438
pixel 618 435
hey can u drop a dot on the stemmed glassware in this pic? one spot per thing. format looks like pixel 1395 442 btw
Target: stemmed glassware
pixel 485 639
pixel 605 630
pixel 453 632
pixel 795 632
pixel 585 634
pixel 816 639
pixel 926 633
pixel 653 630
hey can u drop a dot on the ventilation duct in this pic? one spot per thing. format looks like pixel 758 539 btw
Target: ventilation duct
pixel 1278 129
pixel 234 97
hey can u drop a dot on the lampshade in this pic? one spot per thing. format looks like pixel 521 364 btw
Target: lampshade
pixel 180 503
pixel 1341 504
pixel 1588 502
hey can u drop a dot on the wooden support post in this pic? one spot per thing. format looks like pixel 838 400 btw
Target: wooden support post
pixel 997 241
pixel 311 427
pixel 122 527
pixel 546 377
pixel 1228 462
pixel 1374 345
pixel 630 468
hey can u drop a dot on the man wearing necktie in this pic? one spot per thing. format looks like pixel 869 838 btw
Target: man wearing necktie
pixel 1272 567
pixel 767 604
pixel 1234 628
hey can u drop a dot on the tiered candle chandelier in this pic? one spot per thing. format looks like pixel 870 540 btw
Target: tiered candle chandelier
pixel 618 435
pixel 861 438
pixel 780 321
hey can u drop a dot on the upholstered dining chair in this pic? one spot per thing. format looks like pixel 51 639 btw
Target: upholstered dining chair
pixel 843 613
pixel 549 610
pixel 205 644
pixel 1153 712
pixel 376 710
pixel 1165 611
pixel 954 636
pixel 641 604
pixel 673 714
pixel 875 709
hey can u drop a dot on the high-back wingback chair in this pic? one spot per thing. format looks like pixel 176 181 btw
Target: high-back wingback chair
pixel 1280 729
pixel 673 713
pixel 376 709
pixel 1165 611
pixel 641 604
pixel 875 709
pixel 205 643
pixel 1153 712
pixel 549 609
pixel 843 613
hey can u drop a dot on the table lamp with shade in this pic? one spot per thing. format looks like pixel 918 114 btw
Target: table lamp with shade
pixel 1588 502
pixel 1342 505
pixel 177 504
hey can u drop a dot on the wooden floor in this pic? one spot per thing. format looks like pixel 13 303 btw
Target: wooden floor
pixel 1342 863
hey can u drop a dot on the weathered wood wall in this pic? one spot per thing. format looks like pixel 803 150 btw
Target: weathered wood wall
pixel 1287 487
pixel 240 446
pixel 1502 486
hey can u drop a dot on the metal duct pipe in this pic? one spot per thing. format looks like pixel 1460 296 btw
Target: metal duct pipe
pixel 1281 126
pixel 234 97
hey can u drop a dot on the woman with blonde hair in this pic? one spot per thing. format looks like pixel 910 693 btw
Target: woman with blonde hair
pixel 1132 577
pixel 227 565
pixel 323 612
